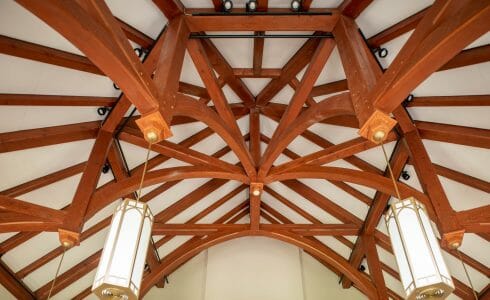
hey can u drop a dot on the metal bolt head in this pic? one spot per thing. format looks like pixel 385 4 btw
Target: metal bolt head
pixel 151 137
pixel 256 192
pixel 379 136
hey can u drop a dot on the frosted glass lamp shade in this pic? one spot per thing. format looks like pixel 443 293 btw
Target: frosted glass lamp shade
pixel 123 258
pixel 422 269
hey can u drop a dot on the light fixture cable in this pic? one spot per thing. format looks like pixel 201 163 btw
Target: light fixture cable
pixel 467 274
pixel 391 172
pixel 57 273
pixel 144 173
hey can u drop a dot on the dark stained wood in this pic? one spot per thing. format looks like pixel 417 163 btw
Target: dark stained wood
pixel 169 65
pixel 69 276
pixel 56 100
pixel 18 48
pixel 470 100
pixel 463 178
pixel 468 57
pixel 254 143
pixel 102 44
pixel 40 182
pixel 353 8
pixel 359 64
pixel 31 209
pixel 176 151
pixel 375 266
pixel 397 161
pixel 314 69
pixel 461 135
pixel 229 22
pixel 258 53
pixel 194 90
pixel 476 219
pixel 170 8
pixel 249 73
pixel 336 152
pixel 39 137
pixel 135 35
pixel 427 52
pixel 227 74
pixel 22 273
pixel 293 126
pixel 329 88
pixel 396 30
pixel 294 83
pixel 295 64
pixel 198 54
pixel 446 219
pixel 13 284
pixel 88 183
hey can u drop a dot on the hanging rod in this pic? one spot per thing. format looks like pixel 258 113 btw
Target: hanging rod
pixel 261 13
pixel 261 36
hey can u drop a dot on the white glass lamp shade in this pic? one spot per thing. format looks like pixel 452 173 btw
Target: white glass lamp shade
pixel 422 269
pixel 123 258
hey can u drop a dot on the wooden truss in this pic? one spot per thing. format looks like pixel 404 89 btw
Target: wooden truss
pixel 363 101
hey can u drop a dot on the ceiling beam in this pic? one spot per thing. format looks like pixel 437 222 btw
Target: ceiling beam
pixel 43 181
pixel 396 30
pixel 56 100
pixel 203 20
pixel 353 8
pixel 429 48
pixel 455 134
pixel 74 219
pixel 476 220
pixel 317 63
pixel 204 67
pixel 468 57
pixel 463 178
pixel 295 64
pixel 467 100
pixel 13 284
pixel 39 137
pixel 258 53
pixel 375 270
pixel 31 209
pixel 169 65
pixel 329 88
pixel 27 50
pixel 360 66
pixel 398 160
pixel 136 36
pixel 226 72
pixel 92 28
pixel 170 8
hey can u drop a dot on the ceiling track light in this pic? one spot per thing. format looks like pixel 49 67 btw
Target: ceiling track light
pixel 227 5
pixel 251 5
pixel 296 5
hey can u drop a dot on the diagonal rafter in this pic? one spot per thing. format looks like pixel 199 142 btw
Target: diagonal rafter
pixel 204 68
pixel 225 71
pixel 317 63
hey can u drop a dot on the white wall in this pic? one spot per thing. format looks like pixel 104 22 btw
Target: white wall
pixel 253 268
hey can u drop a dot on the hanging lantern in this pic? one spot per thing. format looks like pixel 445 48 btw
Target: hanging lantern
pixel 123 259
pixel 421 266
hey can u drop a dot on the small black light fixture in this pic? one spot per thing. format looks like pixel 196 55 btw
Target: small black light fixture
pixel 227 5
pixel 251 5
pixel 405 175
pixel 296 5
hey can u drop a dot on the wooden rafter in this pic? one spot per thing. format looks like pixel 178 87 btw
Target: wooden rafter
pixel 165 94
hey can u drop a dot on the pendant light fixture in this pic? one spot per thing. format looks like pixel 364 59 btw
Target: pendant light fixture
pixel 422 269
pixel 123 259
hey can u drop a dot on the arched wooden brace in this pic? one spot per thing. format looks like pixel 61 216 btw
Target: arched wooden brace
pixel 334 106
pixel 189 107
pixel 13 222
pixel 371 180
pixel 180 255
pixel 110 192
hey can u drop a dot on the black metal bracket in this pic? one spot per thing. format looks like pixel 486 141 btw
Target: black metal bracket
pixel 326 35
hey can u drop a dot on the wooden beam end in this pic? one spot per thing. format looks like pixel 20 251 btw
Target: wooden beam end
pixel 69 238
pixel 453 239
pixel 377 127
pixel 154 127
